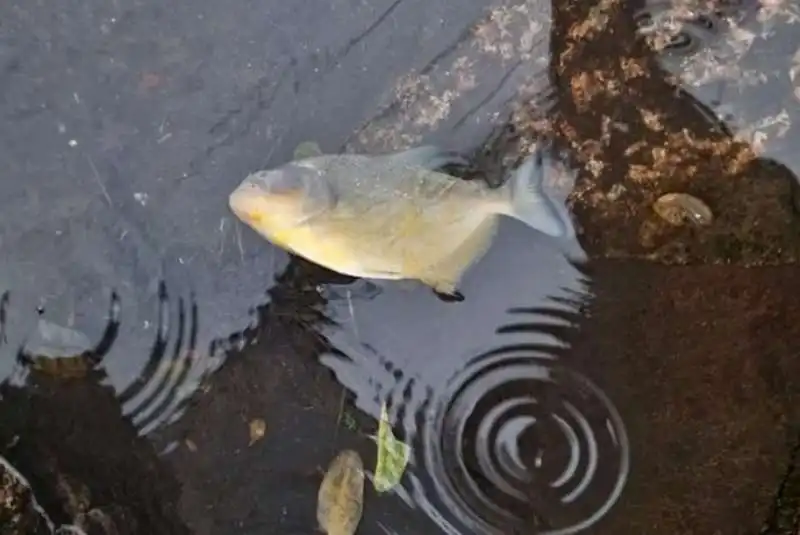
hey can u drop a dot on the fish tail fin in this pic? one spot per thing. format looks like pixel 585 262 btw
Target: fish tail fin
pixel 531 204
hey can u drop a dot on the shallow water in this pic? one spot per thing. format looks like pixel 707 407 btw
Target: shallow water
pixel 474 384
pixel 552 398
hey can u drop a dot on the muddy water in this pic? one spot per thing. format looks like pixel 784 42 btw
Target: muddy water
pixel 559 396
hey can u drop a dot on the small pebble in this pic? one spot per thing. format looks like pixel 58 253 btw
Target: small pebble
pixel 680 208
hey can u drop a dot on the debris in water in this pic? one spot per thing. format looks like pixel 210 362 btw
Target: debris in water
pixel 257 429
pixel 190 445
pixel 679 208
pixel 349 422
pixel 393 455
pixel 54 341
pixel 149 81
pixel 340 501
pixel 58 351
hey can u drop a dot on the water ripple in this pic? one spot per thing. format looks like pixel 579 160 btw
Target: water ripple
pixel 174 368
pixel 516 429
pixel 507 436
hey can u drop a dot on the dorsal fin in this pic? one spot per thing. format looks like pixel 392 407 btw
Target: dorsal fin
pixel 307 149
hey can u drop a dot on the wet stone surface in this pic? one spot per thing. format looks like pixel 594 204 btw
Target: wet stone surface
pixel 699 359
pixel 638 133
pixel 70 439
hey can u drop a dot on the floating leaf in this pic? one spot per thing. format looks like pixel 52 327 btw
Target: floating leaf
pixel 307 149
pixel 340 501
pixel 393 455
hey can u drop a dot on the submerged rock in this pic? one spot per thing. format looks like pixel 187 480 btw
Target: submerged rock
pixel 680 208
pixel 58 351
pixel 54 341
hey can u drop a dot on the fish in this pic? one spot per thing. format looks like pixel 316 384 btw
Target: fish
pixel 340 500
pixel 392 216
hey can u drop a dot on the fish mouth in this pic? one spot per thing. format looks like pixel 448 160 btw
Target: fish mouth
pixel 241 202
pixel 250 203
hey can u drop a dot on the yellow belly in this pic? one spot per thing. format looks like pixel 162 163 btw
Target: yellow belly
pixel 332 253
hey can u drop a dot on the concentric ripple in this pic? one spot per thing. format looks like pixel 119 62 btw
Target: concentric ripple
pixel 520 442
pixel 173 370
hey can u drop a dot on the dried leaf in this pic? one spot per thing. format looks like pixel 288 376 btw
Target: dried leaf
pixel 393 455
pixel 340 500
pixel 257 429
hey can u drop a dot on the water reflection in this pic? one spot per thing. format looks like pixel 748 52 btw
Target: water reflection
pixel 506 435
pixel 157 395
pixel 738 60
pixel 532 434
pixel 463 92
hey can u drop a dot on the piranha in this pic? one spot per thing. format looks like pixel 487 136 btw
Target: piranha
pixel 392 216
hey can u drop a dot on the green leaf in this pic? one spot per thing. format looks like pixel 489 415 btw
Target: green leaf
pixel 393 455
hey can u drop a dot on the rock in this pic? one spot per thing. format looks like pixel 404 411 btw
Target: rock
pixel 678 209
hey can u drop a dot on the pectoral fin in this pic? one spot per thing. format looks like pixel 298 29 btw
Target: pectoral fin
pixel 430 157
pixel 319 198
pixel 444 287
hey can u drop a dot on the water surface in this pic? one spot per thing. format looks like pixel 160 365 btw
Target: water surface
pixel 560 395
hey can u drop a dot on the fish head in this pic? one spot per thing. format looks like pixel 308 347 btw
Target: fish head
pixel 282 198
